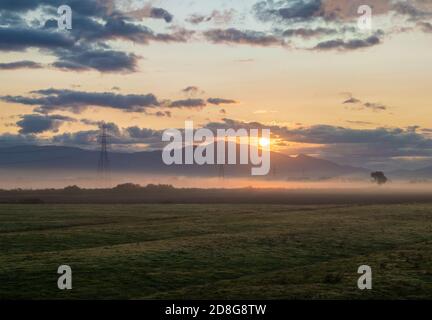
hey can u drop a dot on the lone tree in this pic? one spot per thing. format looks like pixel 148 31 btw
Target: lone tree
pixel 379 177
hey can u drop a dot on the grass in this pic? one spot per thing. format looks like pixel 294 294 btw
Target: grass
pixel 215 251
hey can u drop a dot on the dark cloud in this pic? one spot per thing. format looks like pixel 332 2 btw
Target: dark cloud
pixel 415 9
pixel 159 13
pixel 359 105
pixel 25 64
pixel 361 123
pixel 118 137
pixel 9 140
pixel 19 39
pixel 160 114
pixel 352 100
pixel 198 18
pixel 81 138
pixel 143 133
pixel 188 103
pixel 96 59
pixel 119 28
pixel 8 18
pixel 51 100
pixel 36 123
pixel 218 101
pixel 287 10
pixel 70 54
pixel 235 36
pixel 327 134
pixel 351 44
pixel 149 11
pixel 116 28
pixel 191 90
pixel 333 21
pixel 292 11
pixel 18 5
pixel 85 7
pixel 309 33
pixel 84 47
pixel 375 106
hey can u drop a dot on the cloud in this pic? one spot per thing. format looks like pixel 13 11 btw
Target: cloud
pixel 119 137
pixel 235 36
pixel 218 17
pixel 345 45
pixel 159 13
pixel 361 123
pixel 359 105
pixel 334 22
pixel 84 7
pixel 70 55
pixel 327 134
pixel 96 22
pixel 375 106
pixel 218 101
pixel 84 47
pixel 36 123
pixel 361 147
pixel 312 10
pixel 81 138
pixel 425 26
pixel 352 100
pixel 119 27
pixel 188 103
pixel 51 100
pixel 143 133
pixel 20 39
pixel 414 9
pixel 198 18
pixel 344 10
pixel 84 58
pixel 287 10
pixel 309 32
pixel 148 11
pixel 192 91
pixel 10 140
pixel 160 114
pixel 25 64
pixel 8 18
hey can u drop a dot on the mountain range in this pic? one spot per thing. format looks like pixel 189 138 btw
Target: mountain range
pixel 283 167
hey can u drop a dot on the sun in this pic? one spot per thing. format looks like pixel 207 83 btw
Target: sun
pixel 264 142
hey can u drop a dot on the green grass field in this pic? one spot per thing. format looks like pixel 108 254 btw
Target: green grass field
pixel 215 251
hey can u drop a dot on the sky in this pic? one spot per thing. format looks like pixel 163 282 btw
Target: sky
pixel 302 68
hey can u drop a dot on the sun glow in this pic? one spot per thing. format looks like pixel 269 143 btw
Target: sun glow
pixel 264 142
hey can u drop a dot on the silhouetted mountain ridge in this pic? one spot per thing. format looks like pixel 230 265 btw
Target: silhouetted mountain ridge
pixel 70 158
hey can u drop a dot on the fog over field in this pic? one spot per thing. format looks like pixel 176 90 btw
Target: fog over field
pixel 47 179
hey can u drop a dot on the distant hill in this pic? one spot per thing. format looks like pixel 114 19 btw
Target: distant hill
pixel 67 158
pixel 419 174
